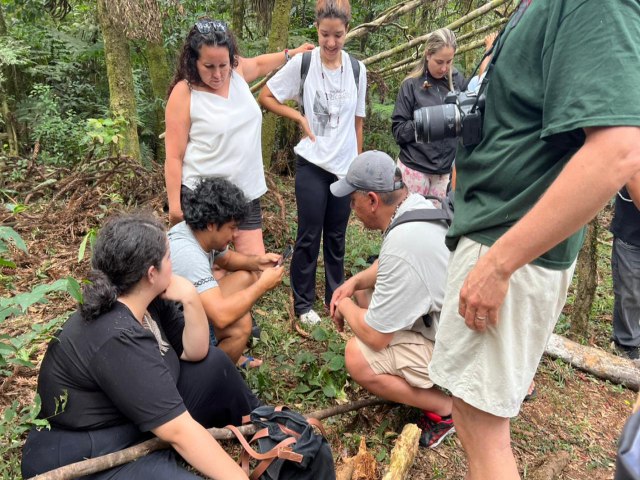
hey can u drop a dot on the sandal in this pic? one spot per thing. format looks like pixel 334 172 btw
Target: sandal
pixel 248 362
pixel 533 393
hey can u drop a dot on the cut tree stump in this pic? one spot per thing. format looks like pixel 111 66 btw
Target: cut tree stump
pixel 551 467
pixel 597 362
pixel 403 453
pixel 364 464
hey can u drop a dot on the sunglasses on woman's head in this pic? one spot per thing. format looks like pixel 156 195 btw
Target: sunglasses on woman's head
pixel 207 26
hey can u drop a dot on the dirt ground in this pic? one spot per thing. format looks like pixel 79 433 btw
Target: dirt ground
pixel 573 411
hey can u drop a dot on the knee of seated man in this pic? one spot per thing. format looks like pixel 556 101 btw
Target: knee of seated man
pixel 353 359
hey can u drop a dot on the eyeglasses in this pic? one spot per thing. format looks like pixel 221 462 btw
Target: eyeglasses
pixel 205 26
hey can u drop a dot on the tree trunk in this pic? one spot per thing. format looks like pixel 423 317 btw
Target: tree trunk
pixel 595 361
pixel 277 41
pixel 237 21
pixel 120 75
pixel 160 77
pixel 587 274
pixel 8 95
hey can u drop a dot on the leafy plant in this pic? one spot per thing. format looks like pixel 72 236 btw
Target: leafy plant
pixel 89 238
pixel 103 135
pixel 56 130
pixel 17 351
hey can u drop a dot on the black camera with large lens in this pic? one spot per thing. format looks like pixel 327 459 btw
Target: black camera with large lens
pixel 459 116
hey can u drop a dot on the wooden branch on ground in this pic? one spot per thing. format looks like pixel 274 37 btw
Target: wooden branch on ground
pixel 597 362
pixel 421 39
pixel 403 453
pixel 551 467
pixel 127 455
pixel 385 19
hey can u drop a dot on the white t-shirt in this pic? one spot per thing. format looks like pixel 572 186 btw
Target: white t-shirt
pixel 189 260
pixel 225 139
pixel 331 103
pixel 412 275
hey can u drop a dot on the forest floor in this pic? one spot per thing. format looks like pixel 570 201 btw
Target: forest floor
pixel 573 411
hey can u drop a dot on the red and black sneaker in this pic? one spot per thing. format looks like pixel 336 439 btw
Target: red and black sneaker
pixel 434 429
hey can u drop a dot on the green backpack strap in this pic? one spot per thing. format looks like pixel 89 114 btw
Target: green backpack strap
pixel 304 70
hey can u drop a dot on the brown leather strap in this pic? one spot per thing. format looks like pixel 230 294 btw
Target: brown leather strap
pixel 316 423
pixel 288 431
pixel 246 419
pixel 283 452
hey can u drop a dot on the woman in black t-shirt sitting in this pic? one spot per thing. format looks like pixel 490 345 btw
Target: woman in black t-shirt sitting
pixel 130 363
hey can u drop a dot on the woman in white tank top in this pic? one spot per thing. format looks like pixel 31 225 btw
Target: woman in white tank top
pixel 213 123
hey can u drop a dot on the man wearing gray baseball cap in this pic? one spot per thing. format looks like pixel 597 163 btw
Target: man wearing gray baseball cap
pixel 398 298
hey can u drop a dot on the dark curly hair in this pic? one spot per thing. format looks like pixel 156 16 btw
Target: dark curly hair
pixel 215 200
pixel 125 249
pixel 187 69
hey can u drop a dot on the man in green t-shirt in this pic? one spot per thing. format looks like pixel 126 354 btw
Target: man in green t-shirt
pixel 561 135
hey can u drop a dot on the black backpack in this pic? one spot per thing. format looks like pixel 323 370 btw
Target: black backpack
pixel 304 70
pixel 287 446
pixel 442 214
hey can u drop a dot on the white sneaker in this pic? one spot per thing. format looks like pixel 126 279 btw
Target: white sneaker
pixel 310 318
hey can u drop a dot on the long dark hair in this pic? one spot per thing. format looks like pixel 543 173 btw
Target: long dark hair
pixel 221 36
pixel 125 249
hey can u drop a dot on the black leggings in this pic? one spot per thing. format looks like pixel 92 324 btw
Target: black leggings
pixel 214 393
pixel 321 215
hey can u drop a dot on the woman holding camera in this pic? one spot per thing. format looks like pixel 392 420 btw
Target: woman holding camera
pixel 214 125
pixel 129 363
pixel 426 167
pixel 331 120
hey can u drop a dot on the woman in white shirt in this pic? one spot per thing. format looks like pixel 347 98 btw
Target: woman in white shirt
pixel 334 108
pixel 213 123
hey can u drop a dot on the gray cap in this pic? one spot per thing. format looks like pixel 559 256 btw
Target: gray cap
pixel 371 171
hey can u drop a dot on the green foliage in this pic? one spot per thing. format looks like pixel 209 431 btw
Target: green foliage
pixel 58 132
pixel 89 238
pixel 300 374
pixel 15 422
pixel 17 351
pixel 102 135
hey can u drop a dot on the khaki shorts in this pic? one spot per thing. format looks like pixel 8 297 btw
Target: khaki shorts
pixel 492 370
pixel 407 356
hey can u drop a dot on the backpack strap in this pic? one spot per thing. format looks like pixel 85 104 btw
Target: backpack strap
pixel 304 70
pixel 281 450
pixel 421 215
pixel 355 67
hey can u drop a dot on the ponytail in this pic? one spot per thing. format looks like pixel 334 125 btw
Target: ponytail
pixel 98 296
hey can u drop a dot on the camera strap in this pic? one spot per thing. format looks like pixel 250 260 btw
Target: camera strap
pixel 497 47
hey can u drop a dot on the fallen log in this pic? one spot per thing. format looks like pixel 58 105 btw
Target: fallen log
pixel 403 453
pixel 421 39
pixel 127 455
pixel 597 362
pixel 551 467
pixel 385 19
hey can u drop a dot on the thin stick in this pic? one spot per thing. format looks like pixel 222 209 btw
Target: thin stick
pixel 98 464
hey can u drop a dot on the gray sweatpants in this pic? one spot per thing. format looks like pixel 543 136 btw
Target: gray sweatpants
pixel 625 267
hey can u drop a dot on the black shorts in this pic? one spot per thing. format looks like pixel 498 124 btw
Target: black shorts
pixel 253 219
